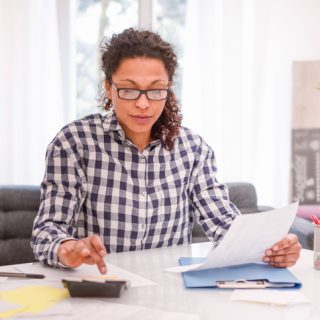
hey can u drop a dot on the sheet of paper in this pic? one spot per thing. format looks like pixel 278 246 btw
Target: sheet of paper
pixel 29 300
pixel 278 297
pixel 6 306
pixel 85 271
pixel 6 269
pixel 103 309
pixel 247 239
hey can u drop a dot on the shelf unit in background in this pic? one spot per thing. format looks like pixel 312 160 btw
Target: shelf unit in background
pixel 305 159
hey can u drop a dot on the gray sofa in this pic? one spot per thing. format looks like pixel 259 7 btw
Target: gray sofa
pixel 19 205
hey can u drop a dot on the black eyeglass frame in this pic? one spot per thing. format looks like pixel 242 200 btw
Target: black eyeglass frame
pixel 140 92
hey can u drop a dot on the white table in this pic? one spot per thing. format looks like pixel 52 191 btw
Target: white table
pixel 171 295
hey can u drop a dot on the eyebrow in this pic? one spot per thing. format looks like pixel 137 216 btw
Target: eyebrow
pixel 135 83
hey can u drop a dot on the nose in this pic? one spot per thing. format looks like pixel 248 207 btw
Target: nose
pixel 143 101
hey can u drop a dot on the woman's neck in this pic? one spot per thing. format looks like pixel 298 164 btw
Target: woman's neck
pixel 140 140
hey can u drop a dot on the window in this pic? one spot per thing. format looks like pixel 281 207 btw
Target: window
pixel 169 22
pixel 97 19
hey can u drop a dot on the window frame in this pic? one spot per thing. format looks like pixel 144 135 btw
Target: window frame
pixel 145 14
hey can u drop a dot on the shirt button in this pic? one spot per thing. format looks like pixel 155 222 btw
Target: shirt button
pixel 143 160
pixel 144 193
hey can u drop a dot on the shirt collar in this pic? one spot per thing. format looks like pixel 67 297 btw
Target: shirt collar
pixel 111 123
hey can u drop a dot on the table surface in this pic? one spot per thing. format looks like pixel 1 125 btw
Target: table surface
pixel 171 295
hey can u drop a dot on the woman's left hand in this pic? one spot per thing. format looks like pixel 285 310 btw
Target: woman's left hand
pixel 284 253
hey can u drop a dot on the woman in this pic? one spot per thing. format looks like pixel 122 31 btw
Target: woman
pixel 131 179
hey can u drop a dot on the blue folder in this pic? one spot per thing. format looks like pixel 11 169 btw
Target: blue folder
pixel 236 276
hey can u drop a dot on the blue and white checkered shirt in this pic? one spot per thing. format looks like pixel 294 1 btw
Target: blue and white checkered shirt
pixel 97 182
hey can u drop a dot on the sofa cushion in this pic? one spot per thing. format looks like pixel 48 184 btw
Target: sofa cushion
pixel 16 223
pixel 19 198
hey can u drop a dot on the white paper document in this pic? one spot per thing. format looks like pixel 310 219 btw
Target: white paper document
pixel 3 279
pixel 6 306
pixel 97 308
pixel 277 297
pixel 85 271
pixel 247 239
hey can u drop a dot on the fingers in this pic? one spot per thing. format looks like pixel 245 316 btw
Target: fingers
pixel 98 245
pixel 98 252
pixel 285 260
pixel 81 249
pixel 284 253
pixel 284 246
pixel 289 240
pixel 87 250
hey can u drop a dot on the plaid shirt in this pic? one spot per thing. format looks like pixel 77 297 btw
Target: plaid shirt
pixel 98 182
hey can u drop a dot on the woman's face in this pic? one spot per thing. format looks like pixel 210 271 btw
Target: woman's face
pixel 137 117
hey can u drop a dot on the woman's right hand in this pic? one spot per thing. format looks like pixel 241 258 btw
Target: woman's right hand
pixel 89 250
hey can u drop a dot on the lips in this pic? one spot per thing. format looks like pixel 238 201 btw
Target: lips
pixel 141 119
pixel 141 116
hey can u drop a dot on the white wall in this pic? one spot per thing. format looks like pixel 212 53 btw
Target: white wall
pixel 237 89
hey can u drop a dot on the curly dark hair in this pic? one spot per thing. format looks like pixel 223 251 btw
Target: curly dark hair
pixel 132 43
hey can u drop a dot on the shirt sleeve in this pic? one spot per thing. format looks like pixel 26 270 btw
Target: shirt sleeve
pixel 62 190
pixel 211 205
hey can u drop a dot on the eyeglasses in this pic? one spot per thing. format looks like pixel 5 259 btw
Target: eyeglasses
pixel 135 94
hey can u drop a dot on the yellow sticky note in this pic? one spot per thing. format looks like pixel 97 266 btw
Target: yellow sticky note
pixel 33 299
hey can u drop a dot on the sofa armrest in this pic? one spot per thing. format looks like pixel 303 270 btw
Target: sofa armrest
pixel 243 195
pixel 18 208
pixel 304 231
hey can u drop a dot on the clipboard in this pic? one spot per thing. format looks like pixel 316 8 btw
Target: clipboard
pixel 246 276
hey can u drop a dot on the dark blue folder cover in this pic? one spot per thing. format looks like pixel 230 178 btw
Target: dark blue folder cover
pixel 208 278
